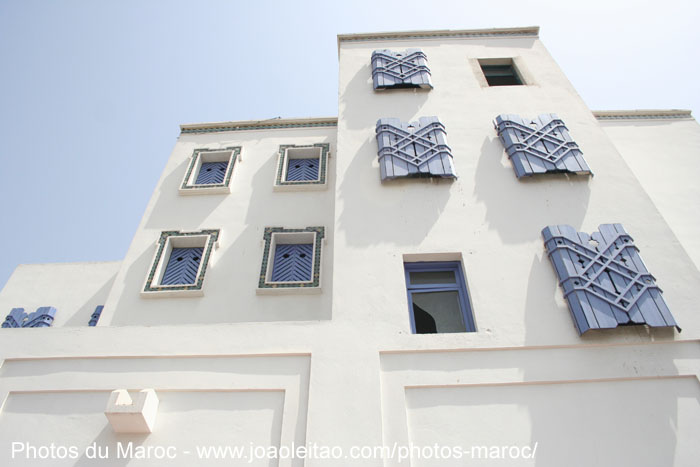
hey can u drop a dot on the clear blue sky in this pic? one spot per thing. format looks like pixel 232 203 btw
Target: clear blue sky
pixel 92 92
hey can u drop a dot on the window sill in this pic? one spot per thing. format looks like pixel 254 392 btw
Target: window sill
pixel 288 290
pixel 165 293
pixel 205 190
pixel 302 186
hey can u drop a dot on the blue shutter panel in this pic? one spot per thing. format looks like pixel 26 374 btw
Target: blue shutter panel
pixel 413 149
pixel 95 317
pixel 212 173
pixel 293 263
pixel 603 278
pixel 540 146
pixel 302 170
pixel 42 318
pixel 182 266
pixel 403 69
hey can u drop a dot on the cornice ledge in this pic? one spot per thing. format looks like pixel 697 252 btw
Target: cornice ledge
pixel 642 114
pixel 271 124
pixel 532 31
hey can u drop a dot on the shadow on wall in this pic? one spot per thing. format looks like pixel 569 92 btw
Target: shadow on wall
pixel 583 418
pixel 518 210
pixel 172 211
pixel 82 316
pixel 358 113
pixel 397 212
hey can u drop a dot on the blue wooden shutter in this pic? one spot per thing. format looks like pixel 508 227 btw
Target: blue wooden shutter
pixel 604 279
pixel 405 69
pixel 540 146
pixel 302 170
pixel 182 266
pixel 211 173
pixel 95 317
pixel 293 263
pixel 413 149
pixel 43 317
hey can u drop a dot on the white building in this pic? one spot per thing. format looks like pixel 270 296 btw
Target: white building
pixel 331 346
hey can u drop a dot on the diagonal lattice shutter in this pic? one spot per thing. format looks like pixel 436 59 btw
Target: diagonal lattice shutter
pixel 293 263
pixel 406 69
pixel 413 149
pixel 182 266
pixel 540 146
pixel 42 318
pixel 604 279
pixel 212 173
pixel 299 170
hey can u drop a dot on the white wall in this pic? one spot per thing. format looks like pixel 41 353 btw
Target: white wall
pixel 232 274
pixel 487 215
pixel 663 155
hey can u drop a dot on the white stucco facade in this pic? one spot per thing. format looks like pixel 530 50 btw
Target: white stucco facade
pixel 336 365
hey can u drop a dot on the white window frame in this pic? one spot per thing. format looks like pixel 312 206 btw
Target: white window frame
pixel 200 156
pixel 205 239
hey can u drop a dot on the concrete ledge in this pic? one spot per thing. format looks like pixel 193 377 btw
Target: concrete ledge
pixel 270 124
pixel 532 31
pixel 641 114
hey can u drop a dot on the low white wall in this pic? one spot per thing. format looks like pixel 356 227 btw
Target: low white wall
pixel 74 289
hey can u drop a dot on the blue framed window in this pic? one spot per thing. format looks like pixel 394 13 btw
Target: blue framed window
pixel 437 298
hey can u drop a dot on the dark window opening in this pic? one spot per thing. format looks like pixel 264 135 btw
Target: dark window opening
pixel 501 75
pixel 437 296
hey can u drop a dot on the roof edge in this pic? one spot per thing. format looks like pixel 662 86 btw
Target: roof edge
pixel 520 31
pixel 270 124
pixel 641 114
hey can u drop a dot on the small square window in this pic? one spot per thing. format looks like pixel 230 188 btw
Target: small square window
pixel 180 263
pixel 210 171
pixel 302 167
pixel 437 298
pixel 291 260
pixel 500 72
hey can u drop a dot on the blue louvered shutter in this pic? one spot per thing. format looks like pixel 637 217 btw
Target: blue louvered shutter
pixel 302 170
pixel 405 69
pixel 182 266
pixel 212 173
pixel 293 263
pixel 95 317
pixel 43 317
pixel 413 149
pixel 603 278
pixel 540 146
pixel 14 318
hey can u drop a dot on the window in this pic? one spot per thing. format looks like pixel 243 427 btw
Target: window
pixel 437 298
pixel 291 260
pixel 405 69
pixel 180 263
pixel 302 167
pixel 210 171
pixel 540 146
pixel 604 280
pixel 501 72
pixel 416 149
